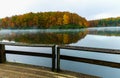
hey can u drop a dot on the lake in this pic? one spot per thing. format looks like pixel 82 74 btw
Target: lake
pixel 101 37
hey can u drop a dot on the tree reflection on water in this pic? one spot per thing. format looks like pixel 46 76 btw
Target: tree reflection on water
pixel 38 37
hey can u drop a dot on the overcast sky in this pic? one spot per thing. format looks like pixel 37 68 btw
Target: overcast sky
pixel 90 9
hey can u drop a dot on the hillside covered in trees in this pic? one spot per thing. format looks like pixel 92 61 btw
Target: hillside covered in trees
pixel 105 22
pixel 44 20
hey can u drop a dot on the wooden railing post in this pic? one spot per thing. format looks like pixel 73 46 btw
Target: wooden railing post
pixel 53 58
pixel 2 53
pixel 58 59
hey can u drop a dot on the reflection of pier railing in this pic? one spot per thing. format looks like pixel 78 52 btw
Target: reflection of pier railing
pixel 87 60
pixel 47 55
pixel 60 56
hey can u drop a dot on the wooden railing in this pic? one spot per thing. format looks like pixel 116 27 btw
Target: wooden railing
pixel 59 56
pixel 87 60
pixel 3 52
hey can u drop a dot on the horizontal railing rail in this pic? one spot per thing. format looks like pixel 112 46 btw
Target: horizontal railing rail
pixel 27 45
pixel 90 49
pixel 29 53
pixel 87 60
pixel 38 54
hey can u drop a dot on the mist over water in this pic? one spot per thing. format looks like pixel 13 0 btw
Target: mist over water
pixel 105 37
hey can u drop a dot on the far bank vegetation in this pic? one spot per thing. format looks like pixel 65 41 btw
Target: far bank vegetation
pixel 44 20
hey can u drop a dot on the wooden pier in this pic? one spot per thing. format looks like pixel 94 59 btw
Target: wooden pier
pixel 14 70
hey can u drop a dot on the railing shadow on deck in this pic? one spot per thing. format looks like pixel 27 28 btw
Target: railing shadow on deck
pixel 59 56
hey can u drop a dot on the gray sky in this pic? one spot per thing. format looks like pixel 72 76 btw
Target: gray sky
pixel 90 9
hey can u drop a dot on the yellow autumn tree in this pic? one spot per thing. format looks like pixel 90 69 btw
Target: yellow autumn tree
pixel 65 38
pixel 66 19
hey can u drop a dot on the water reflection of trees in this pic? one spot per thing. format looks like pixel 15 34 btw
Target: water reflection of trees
pixel 106 33
pixel 45 38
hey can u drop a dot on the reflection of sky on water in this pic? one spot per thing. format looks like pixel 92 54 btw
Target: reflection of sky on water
pixel 99 38
pixel 98 41
pixel 101 71
pixel 111 42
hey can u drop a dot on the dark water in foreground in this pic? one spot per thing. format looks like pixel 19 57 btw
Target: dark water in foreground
pixel 106 37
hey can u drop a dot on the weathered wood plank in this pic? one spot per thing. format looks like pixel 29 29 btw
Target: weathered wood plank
pixel 91 61
pixel 2 53
pixel 90 49
pixel 53 58
pixel 58 59
pixel 28 45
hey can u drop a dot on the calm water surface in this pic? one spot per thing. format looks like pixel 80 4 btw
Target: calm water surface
pixel 105 37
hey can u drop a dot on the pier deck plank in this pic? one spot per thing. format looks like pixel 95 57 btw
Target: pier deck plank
pixel 15 70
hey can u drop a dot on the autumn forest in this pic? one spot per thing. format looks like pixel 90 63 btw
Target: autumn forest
pixel 44 20
pixel 54 20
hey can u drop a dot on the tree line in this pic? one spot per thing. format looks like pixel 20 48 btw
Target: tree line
pixel 44 20
pixel 105 22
